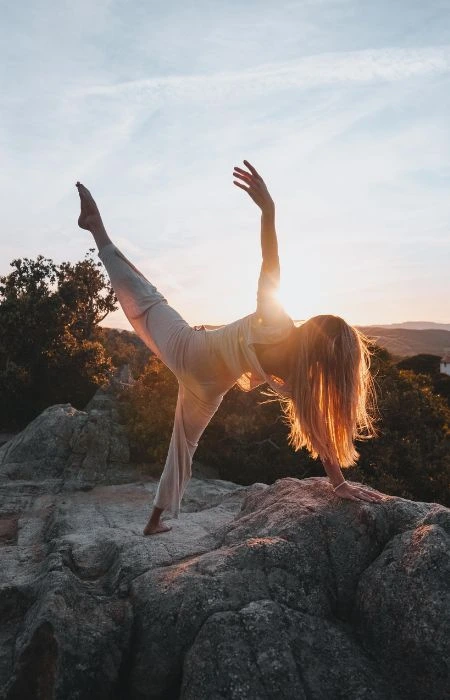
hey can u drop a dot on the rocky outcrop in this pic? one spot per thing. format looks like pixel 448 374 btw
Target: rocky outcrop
pixel 6 437
pixel 260 592
pixel 280 591
pixel 67 443
pixel 81 448
pixel 84 447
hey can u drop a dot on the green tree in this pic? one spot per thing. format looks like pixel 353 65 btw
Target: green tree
pixel 148 409
pixel 429 365
pixel 411 456
pixel 421 364
pixel 48 352
pixel 124 348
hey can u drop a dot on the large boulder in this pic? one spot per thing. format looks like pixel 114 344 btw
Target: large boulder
pixel 258 592
pixel 62 442
pixel 67 443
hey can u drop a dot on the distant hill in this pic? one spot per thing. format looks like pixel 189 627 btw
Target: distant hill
pixel 417 325
pixel 405 342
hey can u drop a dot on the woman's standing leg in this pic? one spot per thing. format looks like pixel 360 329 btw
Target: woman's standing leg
pixel 192 415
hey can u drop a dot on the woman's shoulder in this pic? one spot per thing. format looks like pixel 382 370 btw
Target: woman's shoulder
pixel 264 330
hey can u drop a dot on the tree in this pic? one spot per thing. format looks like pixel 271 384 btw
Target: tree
pixel 124 348
pixel 421 364
pixel 429 365
pixel 411 456
pixel 48 353
pixel 148 409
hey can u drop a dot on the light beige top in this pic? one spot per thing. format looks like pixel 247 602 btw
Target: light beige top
pixel 235 342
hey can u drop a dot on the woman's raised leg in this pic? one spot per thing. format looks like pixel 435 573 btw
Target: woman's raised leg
pixel 90 218
pixel 162 329
pixel 160 326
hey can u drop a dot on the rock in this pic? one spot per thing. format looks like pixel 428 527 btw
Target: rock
pixel 257 592
pixel 63 442
pixel 82 447
pixel 6 437
pixel 89 446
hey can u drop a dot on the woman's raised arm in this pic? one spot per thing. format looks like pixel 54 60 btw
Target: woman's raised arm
pixel 257 190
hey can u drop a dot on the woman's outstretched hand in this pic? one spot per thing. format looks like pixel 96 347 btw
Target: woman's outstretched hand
pixel 359 493
pixel 255 187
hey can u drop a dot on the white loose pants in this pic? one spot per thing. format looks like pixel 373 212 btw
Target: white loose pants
pixel 202 379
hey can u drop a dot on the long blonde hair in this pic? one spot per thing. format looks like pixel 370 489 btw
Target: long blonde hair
pixel 332 395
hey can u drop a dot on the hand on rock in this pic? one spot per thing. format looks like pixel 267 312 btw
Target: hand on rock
pixel 358 493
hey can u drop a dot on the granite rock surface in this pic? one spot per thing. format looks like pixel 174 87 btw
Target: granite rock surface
pixel 280 591
pixel 262 592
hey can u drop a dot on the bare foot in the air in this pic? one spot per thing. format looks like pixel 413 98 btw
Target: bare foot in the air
pixel 152 529
pixel 89 218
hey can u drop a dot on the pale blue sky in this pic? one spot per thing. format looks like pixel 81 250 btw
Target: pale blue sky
pixel 343 106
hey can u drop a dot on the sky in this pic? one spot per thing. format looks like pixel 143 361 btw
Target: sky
pixel 342 105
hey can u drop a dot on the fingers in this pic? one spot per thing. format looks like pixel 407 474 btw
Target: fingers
pixel 243 175
pixel 361 494
pixel 252 189
pixel 369 496
pixel 252 169
pixel 251 192
pixel 252 175
pixel 241 170
pixel 246 189
pixel 248 180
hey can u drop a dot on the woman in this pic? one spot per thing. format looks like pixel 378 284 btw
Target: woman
pixel 320 370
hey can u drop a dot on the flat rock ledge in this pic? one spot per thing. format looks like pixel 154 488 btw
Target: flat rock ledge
pixel 280 592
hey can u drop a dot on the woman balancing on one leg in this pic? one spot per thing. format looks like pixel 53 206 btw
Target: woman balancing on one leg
pixel 319 370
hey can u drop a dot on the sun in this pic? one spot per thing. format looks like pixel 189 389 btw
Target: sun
pixel 291 300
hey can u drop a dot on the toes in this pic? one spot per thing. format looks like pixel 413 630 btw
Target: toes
pixel 88 205
pixel 83 190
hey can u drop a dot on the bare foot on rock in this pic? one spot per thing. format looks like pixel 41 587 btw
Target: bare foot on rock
pixel 152 529
pixel 89 218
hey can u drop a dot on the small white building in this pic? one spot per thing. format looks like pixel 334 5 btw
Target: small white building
pixel 445 363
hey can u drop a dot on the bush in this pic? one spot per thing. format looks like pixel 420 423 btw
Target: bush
pixel 124 348
pixel 148 408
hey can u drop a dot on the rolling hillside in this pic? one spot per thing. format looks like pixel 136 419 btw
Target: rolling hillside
pixel 405 342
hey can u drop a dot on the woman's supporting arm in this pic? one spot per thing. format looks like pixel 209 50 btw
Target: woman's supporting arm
pixel 349 491
pixel 334 472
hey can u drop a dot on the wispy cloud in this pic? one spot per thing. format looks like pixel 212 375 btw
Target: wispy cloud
pixel 312 71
